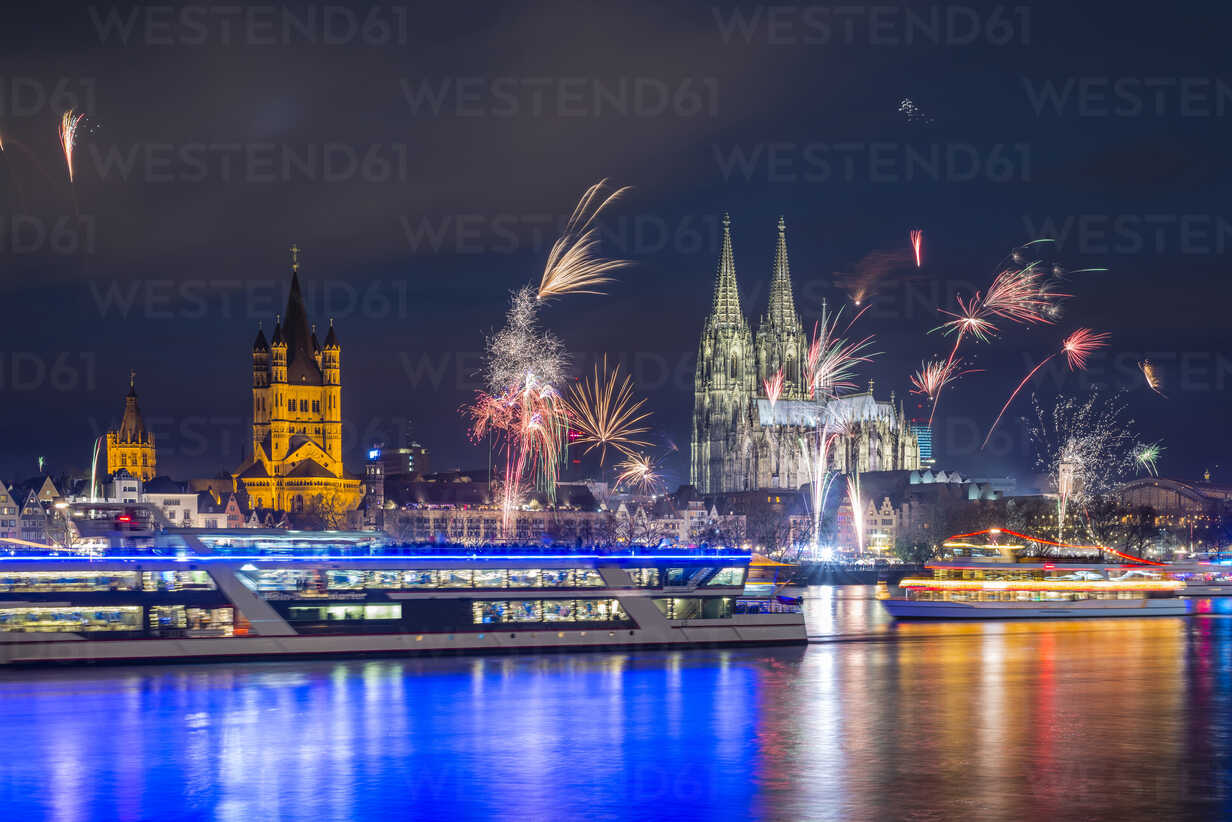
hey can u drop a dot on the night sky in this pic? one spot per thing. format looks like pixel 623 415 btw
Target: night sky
pixel 423 157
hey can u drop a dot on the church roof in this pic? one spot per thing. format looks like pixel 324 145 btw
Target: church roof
pixel 302 366
pixel 310 468
pixel 259 344
pixel 331 339
pixel 132 426
pixel 254 471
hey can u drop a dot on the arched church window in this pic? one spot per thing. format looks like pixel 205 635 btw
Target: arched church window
pixel 734 366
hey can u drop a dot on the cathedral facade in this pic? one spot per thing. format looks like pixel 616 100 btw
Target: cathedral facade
pixel 296 458
pixel 744 442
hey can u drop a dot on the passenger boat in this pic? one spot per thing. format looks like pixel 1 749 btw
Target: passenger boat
pixel 997 580
pixel 194 595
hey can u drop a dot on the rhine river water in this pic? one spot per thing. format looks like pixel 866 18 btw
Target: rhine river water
pixel 1093 719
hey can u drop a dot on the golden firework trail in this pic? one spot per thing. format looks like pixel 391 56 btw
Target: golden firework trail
pixel 68 137
pixel 1153 380
pixel 572 266
pixel 638 471
pixel 604 413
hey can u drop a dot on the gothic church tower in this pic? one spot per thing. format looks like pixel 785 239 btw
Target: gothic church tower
pixel 725 380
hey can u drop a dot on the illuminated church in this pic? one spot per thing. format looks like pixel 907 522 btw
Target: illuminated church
pixel 743 442
pixel 296 460
pixel 131 447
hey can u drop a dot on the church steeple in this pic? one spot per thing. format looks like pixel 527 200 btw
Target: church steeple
pixel 781 310
pixel 132 426
pixel 726 308
pixel 130 446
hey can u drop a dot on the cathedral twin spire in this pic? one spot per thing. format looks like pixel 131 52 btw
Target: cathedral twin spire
pixel 726 309
pixel 781 307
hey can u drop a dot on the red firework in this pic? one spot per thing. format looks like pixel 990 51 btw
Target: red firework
pixel 1076 348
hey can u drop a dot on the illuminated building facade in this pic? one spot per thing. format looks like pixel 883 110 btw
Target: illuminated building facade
pixel 741 441
pixel 296 460
pixel 131 447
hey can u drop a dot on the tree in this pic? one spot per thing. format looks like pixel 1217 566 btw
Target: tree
pixel 1128 528
pixel 770 530
pixel 325 511
pixel 914 549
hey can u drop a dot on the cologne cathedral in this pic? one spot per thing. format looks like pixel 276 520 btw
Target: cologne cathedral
pixel 744 442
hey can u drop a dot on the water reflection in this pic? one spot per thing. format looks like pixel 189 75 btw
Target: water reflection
pixel 1085 719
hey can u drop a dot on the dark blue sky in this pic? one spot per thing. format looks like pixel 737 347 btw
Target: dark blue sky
pixel 421 155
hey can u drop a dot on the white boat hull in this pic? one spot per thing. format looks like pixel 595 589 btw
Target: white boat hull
pixel 1080 609
pixel 751 629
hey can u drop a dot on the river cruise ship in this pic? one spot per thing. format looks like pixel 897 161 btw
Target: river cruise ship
pixel 188 594
pixel 998 579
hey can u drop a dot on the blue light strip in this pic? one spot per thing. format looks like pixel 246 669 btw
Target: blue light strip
pixel 433 557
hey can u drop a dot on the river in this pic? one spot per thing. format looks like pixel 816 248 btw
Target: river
pixel 1092 719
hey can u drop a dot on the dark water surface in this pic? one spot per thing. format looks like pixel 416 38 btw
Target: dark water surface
pixel 1091 719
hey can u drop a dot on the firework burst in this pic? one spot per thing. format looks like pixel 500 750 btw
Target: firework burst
pixel 774 387
pixel 815 449
pixel 1022 294
pixel 934 375
pixel 572 266
pixel 1077 347
pixel 1151 374
pixel 638 471
pixel 831 359
pixel 1087 445
pixel 1147 457
pixel 529 422
pixel 917 246
pixel 605 414
pixel 522 348
pixel 68 137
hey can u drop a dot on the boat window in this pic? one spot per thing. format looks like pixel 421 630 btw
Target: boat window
pixel 331 613
pixel 557 610
pixel 177 581
pixel 728 576
pixel 120 618
pixel 344 580
pixel 454 579
pixel 557 578
pixel 419 579
pixel 524 578
pixel 676 576
pixel 587 578
pixel 645 577
pixel 489 578
pixel 547 610
pixel 34 581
